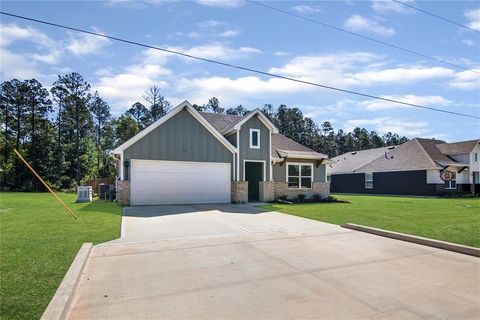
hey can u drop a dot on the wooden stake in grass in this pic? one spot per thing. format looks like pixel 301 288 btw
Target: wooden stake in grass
pixel 41 180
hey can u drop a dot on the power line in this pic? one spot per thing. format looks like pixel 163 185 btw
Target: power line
pixel 273 75
pixel 435 15
pixel 360 35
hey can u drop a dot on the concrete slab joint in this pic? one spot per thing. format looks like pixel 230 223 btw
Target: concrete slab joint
pixel 123 192
pixel 61 302
pixel 239 192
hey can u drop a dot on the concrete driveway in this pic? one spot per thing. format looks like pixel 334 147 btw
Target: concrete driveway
pixel 238 262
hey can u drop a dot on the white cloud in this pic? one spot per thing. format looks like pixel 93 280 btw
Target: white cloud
pixel 303 8
pixel 468 42
pixel 208 51
pixel 230 33
pixel 125 88
pixel 466 80
pixel 11 32
pixel 430 101
pixel 210 24
pixel 382 125
pixel 401 75
pixel 85 44
pixel 473 17
pixel 358 23
pixel 221 3
pixel 16 66
pixel 389 6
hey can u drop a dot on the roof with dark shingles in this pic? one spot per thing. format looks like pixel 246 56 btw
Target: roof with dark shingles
pixel 280 142
pixel 416 154
pixel 458 147
pixel 351 161
pixel 224 122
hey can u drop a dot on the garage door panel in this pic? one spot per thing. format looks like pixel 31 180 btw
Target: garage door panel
pixel 177 182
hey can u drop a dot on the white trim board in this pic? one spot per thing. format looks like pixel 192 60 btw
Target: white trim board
pixel 264 178
pixel 300 174
pixel 262 118
pixel 184 105
pixel 250 138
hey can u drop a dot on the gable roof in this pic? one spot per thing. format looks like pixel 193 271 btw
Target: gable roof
pixel 458 147
pixel 250 115
pixel 185 105
pixel 282 146
pixel 351 161
pixel 416 154
pixel 221 122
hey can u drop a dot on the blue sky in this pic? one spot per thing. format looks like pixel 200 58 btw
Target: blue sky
pixel 244 34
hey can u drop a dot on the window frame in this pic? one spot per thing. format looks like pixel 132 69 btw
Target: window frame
pixel 476 157
pixel 287 176
pixel 368 180
pixel 251 138
pixel 448 183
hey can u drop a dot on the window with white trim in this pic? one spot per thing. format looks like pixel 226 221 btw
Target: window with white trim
pixel 452 183
pixel 476 157
pixel 300 176
pixel 368 180
pixel 255 138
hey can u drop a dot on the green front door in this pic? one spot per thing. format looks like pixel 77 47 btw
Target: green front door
pixel 253 174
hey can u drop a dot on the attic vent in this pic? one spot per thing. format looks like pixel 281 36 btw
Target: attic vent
pixel 354 152
pixel 391 147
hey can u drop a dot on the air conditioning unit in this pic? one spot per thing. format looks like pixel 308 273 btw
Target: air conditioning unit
pixel 84 194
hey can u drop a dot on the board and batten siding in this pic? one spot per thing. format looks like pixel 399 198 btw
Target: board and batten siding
pixel 247 153
pixel 280 171
pixel 181 138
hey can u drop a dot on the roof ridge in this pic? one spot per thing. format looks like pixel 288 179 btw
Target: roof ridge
pixel 364 165
pixel 426 153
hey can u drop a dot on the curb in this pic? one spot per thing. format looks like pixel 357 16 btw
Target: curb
pixel 61 301
pixel 471 251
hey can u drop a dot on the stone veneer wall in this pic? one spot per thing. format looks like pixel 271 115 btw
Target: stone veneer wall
pixel 267 191
pixel 239 192
pixel 123 192
pixel 321 188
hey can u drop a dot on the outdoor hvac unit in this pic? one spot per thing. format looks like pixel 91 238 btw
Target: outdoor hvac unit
pixel 84 194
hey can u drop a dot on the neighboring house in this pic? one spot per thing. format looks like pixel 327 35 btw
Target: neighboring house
pixel 412 168
pixel 190 157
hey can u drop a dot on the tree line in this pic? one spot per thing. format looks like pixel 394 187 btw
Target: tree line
pixel 67 132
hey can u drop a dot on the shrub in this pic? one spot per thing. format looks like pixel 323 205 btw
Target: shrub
pixel 283 197
pixel 317 198
pixel 301 197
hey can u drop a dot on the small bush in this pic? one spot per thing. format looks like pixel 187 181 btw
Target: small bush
pixel 317 198
pixel 301 197
pixel 283 197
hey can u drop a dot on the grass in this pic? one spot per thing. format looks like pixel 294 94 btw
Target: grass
pixel 453 220
pixel 38 242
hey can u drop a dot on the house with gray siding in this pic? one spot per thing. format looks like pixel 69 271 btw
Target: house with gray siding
pixel 189 157
pixel 416 167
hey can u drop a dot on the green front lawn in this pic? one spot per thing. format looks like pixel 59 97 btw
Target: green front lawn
pixel 452 220
pixel 38 242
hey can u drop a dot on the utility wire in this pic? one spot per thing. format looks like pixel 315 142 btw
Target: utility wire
pixel 360 35
pixel 273 75
pixel 436 16
pixel 19 155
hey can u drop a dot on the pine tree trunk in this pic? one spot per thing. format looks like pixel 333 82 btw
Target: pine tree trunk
pixel 59 144
pixel 33 150
pixel 17 146
pixel 77 143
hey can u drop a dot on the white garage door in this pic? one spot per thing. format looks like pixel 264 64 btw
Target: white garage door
pixel 178 182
